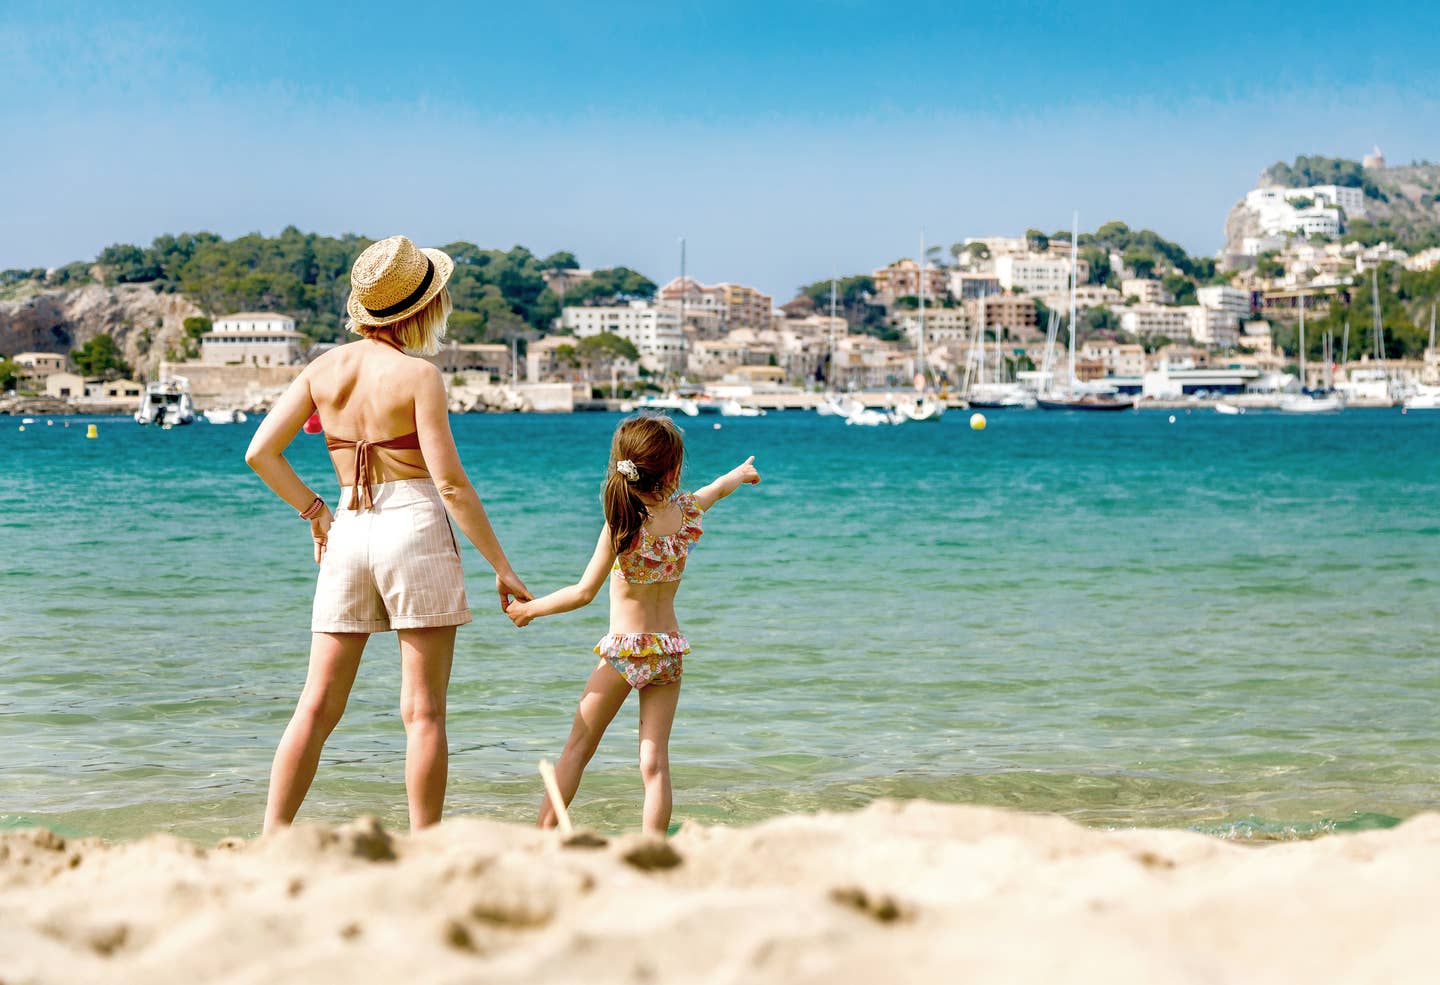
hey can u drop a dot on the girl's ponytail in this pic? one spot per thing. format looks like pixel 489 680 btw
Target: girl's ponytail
pixel 645 459
pixel 624 510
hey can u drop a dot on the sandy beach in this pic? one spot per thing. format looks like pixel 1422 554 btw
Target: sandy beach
pixel 898 892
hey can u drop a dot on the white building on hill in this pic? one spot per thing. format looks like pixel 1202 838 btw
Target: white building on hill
pixel 1154 319
pixel 1305 211
pixel 1223 297
pixel 1037 273
pixel 251 338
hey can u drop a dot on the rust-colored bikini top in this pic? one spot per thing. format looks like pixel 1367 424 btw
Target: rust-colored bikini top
pixel 364 475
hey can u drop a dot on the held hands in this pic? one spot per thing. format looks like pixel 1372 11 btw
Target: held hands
pixel 509 585
pixel 320 532
pixel 519 614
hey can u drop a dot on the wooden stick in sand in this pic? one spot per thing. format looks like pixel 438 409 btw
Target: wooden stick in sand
pixel 557 802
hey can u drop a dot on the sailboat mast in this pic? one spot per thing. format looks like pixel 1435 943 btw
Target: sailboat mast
pixel 1432 326
pixel 1074 250
pixel 920 367
pixel 1302 340
pixel 980 340
pixel 830 375
pixel 1378 339
pixel 1345 344
pixel 684 284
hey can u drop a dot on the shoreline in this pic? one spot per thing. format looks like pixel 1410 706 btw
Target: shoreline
pixel 804 402
pixel 898 891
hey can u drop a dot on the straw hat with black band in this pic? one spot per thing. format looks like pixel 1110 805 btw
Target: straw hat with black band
pixel 393 279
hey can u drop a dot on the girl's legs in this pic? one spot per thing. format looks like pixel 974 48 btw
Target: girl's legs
pixel 657 714
pixel 334 659
pixel 605 692
pixel 425 659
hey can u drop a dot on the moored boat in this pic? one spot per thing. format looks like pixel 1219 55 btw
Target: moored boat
pixel 1087 401
pixel 166 403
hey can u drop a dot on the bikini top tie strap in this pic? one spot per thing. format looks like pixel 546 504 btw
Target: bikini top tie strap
pixel 361 484
pixel 362 493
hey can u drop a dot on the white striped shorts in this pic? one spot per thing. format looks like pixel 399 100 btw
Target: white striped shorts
pixel 394 567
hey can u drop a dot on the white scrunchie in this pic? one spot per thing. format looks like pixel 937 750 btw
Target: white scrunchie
pixel 627 468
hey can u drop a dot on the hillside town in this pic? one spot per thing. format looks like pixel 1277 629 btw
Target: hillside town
pixel 992 310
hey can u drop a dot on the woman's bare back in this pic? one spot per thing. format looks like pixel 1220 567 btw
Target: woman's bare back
pixel 365 391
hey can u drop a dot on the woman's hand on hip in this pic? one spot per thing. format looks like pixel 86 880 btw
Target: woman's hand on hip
pixel 320 532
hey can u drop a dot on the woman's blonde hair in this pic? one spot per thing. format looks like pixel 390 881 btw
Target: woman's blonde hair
pixel 420 333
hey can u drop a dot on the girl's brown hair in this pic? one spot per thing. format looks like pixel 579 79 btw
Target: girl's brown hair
pixel 652 450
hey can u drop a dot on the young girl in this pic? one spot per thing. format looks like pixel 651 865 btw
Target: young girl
pixel 649 529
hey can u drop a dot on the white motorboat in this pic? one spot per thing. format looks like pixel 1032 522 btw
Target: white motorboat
pixel 166 403
pixel 734 408
pixel 1000 396
pixel 927 407
pixel 1228 409
pixel 1423 398
pixel 669 405
pixel 869 417
pixel 1303 403
pixel 215 416
pixel 839 405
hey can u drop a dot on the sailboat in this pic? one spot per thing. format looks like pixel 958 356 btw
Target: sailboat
pixel 997 395
pixel 1303 402
pixel 926 406
pixel 1074 397
pixel 1425 396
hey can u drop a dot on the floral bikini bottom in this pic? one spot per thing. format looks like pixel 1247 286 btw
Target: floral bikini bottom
pixel 645 658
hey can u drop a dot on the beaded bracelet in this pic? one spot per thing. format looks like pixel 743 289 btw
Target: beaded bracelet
pixel 313 510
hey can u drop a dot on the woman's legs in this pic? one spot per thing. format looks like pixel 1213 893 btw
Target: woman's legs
pixel 657 714
pixel 605 692
pixel 425 659
pixel 334 659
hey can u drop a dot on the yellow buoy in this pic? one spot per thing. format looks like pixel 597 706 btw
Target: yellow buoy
pixel 977 422
pixel 22 427
pixel 91 431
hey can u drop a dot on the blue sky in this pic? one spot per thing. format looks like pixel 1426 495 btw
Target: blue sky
pixel 783 140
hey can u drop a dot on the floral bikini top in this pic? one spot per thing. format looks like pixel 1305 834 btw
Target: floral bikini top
pixel 653 559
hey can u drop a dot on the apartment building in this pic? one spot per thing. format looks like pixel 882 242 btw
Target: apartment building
pixel 653 329
pixel 903 279
pixel 1038 273
pixel 735 305
pixel 1154 319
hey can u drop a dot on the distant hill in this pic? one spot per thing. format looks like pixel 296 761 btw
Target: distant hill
pixel 1402 204
pixel 141 295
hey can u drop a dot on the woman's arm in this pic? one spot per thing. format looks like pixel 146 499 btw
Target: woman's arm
pixel 742 474
pixel 576 596
pixel 437 445
pixel 266 455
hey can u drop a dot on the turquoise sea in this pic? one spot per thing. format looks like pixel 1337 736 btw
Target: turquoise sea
pixel 1220 623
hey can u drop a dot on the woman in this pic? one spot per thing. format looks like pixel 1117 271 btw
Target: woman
pixel 390 560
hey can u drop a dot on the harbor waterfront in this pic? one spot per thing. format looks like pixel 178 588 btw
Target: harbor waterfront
pixel 1224 623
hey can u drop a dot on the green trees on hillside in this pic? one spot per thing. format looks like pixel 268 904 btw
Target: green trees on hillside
pixel 616 284
pixel 852 302
pixel 497 294
pixel 99 357
pixel 1318 170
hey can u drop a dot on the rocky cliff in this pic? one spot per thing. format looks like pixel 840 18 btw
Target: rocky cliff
pixel 143 321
